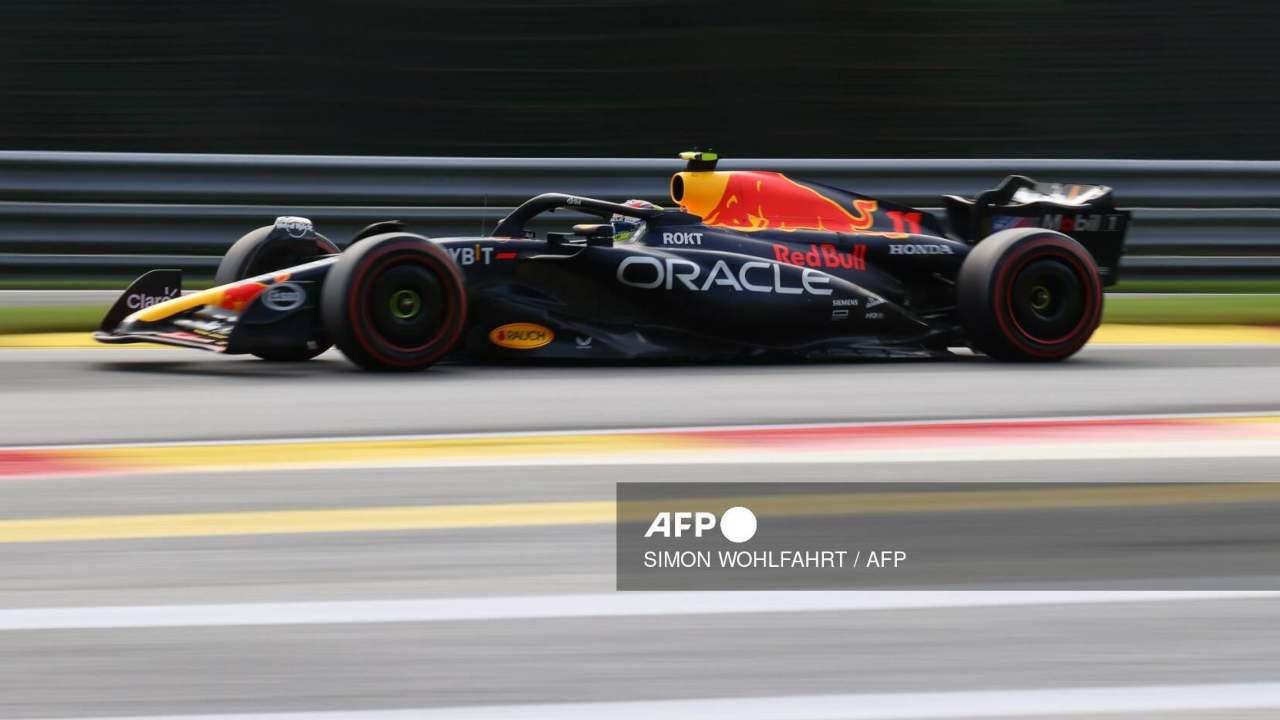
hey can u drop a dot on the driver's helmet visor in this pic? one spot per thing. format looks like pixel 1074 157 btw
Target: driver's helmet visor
pixel 626 227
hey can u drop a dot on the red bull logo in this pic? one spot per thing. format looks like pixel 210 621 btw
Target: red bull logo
pixel 825 255
pixel 752 200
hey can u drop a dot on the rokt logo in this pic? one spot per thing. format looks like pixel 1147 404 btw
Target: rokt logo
pixel 681 238
pixel 737 524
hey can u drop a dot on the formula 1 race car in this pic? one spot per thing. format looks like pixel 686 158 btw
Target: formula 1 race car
pixel 749 264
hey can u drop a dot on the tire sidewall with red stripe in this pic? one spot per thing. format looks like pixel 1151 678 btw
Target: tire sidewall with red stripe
pixel 987 302
pixel 347 297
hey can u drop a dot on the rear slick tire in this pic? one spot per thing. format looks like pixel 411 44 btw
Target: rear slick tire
pixel 394 302
pixel 1029 294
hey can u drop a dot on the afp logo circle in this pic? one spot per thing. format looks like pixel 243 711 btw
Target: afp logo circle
pixel 737 524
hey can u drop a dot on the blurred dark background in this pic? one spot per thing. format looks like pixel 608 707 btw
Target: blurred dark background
pixel 789 78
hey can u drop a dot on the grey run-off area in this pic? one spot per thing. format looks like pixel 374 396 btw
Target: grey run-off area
pixel 1191 652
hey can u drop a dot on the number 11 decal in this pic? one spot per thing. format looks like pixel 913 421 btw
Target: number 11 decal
pixel 905 221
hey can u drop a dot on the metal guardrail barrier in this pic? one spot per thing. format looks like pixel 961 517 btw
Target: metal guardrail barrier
pixel 78 214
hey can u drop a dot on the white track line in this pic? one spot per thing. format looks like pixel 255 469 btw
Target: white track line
pixel 637 604
pixel 1041 702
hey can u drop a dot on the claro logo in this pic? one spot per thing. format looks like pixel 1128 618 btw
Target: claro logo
pixel 521 336
pixel 755 276
pixel 137 301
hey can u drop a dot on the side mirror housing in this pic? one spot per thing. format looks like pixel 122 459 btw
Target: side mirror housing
pixel 596 234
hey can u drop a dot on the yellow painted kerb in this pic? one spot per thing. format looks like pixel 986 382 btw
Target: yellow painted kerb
pixel 48 341
pixel 598 512
pixel 1118 334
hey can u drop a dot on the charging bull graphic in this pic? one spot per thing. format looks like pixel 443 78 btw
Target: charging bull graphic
pixel 749 200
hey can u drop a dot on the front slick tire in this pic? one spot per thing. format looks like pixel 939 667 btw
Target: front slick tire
pixel 1029 295
pixel 262 251
pixel 394 302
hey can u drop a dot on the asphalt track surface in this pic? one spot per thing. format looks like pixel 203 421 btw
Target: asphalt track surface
pixel 524 621
pixel 76 396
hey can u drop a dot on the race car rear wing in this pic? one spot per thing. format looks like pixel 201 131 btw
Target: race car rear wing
pixel 1086 213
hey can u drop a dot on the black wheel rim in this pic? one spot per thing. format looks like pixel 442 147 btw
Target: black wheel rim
pixel 407 304
pixel 1048 300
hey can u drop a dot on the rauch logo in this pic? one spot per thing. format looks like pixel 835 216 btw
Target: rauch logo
pixel 521 336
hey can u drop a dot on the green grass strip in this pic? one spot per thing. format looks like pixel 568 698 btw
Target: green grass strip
pixel 1193 309
pixel 52 318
